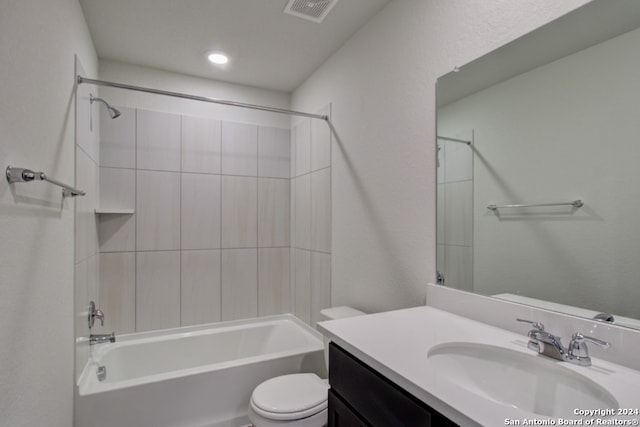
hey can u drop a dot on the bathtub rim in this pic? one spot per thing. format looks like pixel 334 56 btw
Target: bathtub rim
pixel 88 384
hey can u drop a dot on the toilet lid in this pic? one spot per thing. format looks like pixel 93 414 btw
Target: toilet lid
pixel 290 397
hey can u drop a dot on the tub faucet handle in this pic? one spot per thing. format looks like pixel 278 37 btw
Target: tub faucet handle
pixel 94 314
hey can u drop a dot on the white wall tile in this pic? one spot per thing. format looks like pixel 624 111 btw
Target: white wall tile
pixel 200 287
pixel 239 212
pixel 458 159
pixel 273 281
pixel 302 308
pixel 441 219
pixel 321 210
pixel 292 279
pixel 303 146
pixel 239 149
pixel 440 257
pixel 118 139
pixel 81 301
pixel 117 292
pixel 458 211
pixel 92 277
pixel 201 145
pixel 157 290
pixel 274 152
pixel 292 153
pixel 273 212
pixel 200 215
pixel 320 141
pixel 303 212
pixel 184 211
pixel 239 283
pixel 459 267
pixel 320 284
pixel 292 213
pixel 158 210
pixel 117 188
pixel 158 141
pixel 85 225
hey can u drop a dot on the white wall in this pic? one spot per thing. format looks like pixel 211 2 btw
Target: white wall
pixel 38 41
pixel 382 88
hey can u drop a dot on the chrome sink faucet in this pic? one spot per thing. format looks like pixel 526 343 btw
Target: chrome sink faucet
pixel 550 345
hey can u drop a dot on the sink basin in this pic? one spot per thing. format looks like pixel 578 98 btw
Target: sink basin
pixel 531 383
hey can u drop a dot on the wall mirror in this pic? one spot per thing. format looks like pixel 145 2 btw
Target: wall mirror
pixel 539 167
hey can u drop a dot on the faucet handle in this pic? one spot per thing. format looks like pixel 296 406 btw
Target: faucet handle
pixel 578 350
pixel 534 335
pixel 578 338
pixel 536 325
pixel 98 314
pixel 94 313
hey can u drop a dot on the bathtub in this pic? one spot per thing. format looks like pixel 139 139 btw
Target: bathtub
pixel 198 376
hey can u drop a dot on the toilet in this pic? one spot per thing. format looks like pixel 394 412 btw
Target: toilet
pixel 296 400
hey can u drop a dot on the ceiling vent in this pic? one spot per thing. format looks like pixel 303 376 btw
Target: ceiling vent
pixel 312 10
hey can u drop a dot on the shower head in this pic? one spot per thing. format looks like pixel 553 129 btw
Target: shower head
pixel 113 113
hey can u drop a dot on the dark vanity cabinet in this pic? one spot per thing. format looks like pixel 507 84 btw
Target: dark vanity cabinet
pixel 360 396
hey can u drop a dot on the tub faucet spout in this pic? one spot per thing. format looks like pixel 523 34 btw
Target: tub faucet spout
pixel 102 338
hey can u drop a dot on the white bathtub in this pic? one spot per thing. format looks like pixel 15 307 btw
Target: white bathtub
pixel 192 376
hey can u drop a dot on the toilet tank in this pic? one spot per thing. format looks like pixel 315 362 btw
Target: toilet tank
pixel 341 312
pixel 334 313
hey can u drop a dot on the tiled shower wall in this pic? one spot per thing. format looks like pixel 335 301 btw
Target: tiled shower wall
pixel 311 217
pixel 196 223
pixel 455 210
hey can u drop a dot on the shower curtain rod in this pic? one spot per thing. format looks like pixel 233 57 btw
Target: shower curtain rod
pixel 82 80
pixel 446 138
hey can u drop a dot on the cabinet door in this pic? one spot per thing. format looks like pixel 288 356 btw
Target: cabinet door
pixel 374 397
pixel 340 415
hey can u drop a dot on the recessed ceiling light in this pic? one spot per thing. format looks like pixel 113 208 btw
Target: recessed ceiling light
pixel 218 58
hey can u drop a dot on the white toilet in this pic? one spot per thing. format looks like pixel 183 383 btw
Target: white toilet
pixel 296 400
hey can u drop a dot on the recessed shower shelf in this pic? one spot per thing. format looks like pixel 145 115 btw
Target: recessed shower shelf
pixel 115 211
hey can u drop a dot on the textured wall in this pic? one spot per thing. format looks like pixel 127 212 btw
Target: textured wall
pixel 38 41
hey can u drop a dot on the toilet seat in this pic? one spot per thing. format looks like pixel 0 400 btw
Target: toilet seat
pixel 290 397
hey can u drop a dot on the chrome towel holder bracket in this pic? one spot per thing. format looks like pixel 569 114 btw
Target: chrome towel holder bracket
pixel 14 175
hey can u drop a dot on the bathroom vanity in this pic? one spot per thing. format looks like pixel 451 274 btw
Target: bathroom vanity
pixel 360 393
pixel 424 366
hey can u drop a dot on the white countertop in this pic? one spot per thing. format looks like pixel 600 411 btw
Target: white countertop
pixel 396 344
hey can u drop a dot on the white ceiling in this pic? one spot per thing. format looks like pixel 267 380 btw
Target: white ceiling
pixel 267 48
